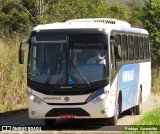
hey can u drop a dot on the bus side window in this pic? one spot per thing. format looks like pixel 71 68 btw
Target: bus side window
pixel 141 48
pixel 136 48
pixel 118 50
pixel 131 47
pixel 124 48
pixel 113 60
pixel 145 48
pixel 148 48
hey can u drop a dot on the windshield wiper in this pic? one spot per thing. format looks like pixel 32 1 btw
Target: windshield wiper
pixel 81 76
pixel 54 68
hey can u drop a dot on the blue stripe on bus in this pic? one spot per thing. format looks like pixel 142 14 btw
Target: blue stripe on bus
pixel 96 93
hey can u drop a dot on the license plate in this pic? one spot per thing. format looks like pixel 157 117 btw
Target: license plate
pixel 67 116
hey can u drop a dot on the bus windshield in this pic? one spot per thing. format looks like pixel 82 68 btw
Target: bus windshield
pixel 68 59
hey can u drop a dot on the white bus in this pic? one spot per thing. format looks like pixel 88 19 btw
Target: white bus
pixel 62 83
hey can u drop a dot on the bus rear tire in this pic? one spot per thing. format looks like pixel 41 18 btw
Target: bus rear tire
pixel 50 122
pixel 138 108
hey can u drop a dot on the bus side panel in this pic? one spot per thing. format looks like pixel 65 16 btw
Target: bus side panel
pixel 145 79
pixel 128 81
pixel 113 96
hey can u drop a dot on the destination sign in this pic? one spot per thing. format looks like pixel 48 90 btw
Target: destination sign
pixel 88 44
pixel 88 41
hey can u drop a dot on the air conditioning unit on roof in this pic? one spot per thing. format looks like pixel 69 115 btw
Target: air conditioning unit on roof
pixel 103 20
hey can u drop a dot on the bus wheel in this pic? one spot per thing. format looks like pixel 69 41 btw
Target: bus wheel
pixel 138 108
pixel 50 122
pixel 113 120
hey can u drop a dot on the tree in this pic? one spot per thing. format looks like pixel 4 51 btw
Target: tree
pixel 22 15
pixel 73 9
pixel 149 15
pixel 119 10
pixel 13 18
pixel 37 9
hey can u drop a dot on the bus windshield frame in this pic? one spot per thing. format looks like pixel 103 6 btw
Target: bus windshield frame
pixel 64 58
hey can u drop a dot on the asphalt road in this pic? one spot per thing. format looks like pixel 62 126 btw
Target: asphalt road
pixel 21 118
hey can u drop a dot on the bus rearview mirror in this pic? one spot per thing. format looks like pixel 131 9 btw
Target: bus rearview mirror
pixel 114 38
pixel 21 56
pixel 21 51
pixel 119 50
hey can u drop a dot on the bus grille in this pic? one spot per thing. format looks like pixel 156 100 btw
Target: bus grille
pixel 61 111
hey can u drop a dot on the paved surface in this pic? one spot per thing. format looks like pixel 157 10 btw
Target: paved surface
pixel 77 126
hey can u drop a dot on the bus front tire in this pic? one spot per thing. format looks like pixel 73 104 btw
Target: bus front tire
pixel 50 122
pixel 113 120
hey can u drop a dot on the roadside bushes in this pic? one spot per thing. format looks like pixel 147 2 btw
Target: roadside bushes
pixel 12 76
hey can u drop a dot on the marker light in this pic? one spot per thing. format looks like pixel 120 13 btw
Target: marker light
pixel 105 111
pixel 33 112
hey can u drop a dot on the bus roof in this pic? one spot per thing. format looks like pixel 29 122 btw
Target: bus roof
pixel 92 23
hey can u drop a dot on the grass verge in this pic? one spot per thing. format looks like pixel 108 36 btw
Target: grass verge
pixel 12 77
pixel 151 119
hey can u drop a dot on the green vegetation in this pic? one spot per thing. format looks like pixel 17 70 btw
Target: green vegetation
pixel 149 14
pixel 151 118
pixel 18 17
pixel 21 15
pixel 12 77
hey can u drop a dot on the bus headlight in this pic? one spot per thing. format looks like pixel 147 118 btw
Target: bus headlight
pixel 102 96
pixel 31 97
pixel 34 99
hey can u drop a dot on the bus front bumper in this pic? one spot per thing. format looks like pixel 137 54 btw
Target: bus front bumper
pixel 92 109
